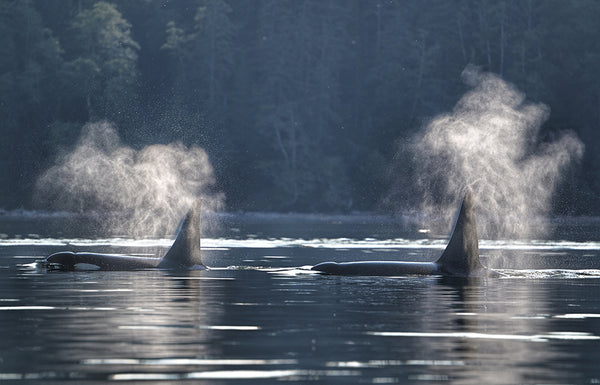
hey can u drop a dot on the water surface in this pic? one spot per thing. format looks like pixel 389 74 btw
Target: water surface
pixel 260 316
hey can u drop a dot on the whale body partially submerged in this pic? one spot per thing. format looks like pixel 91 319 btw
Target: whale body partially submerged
pixel 459 259
pixel 184 253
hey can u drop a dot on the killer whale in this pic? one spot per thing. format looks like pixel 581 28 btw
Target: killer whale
pixel 459 259
pixel 184 253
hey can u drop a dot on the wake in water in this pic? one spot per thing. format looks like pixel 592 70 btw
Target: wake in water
pixel 550 273
pixel 399 244
pixel 278 260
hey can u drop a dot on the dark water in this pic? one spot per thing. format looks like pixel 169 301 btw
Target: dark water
pixel 270 320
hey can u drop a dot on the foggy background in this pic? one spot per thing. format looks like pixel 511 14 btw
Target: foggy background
pixel 318 106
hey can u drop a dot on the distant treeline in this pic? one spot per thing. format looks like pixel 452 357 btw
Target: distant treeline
pixel 302 105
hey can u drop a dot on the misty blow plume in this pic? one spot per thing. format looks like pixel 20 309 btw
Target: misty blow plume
pixel 490 142
pixel 139 192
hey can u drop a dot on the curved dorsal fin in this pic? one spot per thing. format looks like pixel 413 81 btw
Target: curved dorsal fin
pixel 185 251
pixel 461 256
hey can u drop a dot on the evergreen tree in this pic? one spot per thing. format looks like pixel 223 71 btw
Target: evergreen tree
pixel 301 51
pixel 104 61
pixel 30 60
pixel 301 104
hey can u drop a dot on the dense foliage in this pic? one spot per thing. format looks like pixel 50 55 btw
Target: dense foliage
pixel 301 104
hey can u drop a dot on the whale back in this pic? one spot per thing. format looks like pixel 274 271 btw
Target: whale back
pixel 185 252
pixel 461 256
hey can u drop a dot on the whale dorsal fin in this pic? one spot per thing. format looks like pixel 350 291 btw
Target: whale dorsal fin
pixel 461 256
pixel 185 251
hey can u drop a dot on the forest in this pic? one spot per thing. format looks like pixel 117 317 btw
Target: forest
pixel 301 105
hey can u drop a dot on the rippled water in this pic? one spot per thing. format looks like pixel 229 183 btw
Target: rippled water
pixel 260 316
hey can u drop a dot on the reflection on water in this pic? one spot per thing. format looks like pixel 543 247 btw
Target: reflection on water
pixel 260 317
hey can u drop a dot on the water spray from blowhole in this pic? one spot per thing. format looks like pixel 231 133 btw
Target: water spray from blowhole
pixel 490 143
pixel 141 193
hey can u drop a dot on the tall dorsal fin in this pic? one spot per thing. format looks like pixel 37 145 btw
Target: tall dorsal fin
pixel 461 256
pixel 185 251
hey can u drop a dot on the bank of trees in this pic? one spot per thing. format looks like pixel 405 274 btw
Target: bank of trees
pixel 301 104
